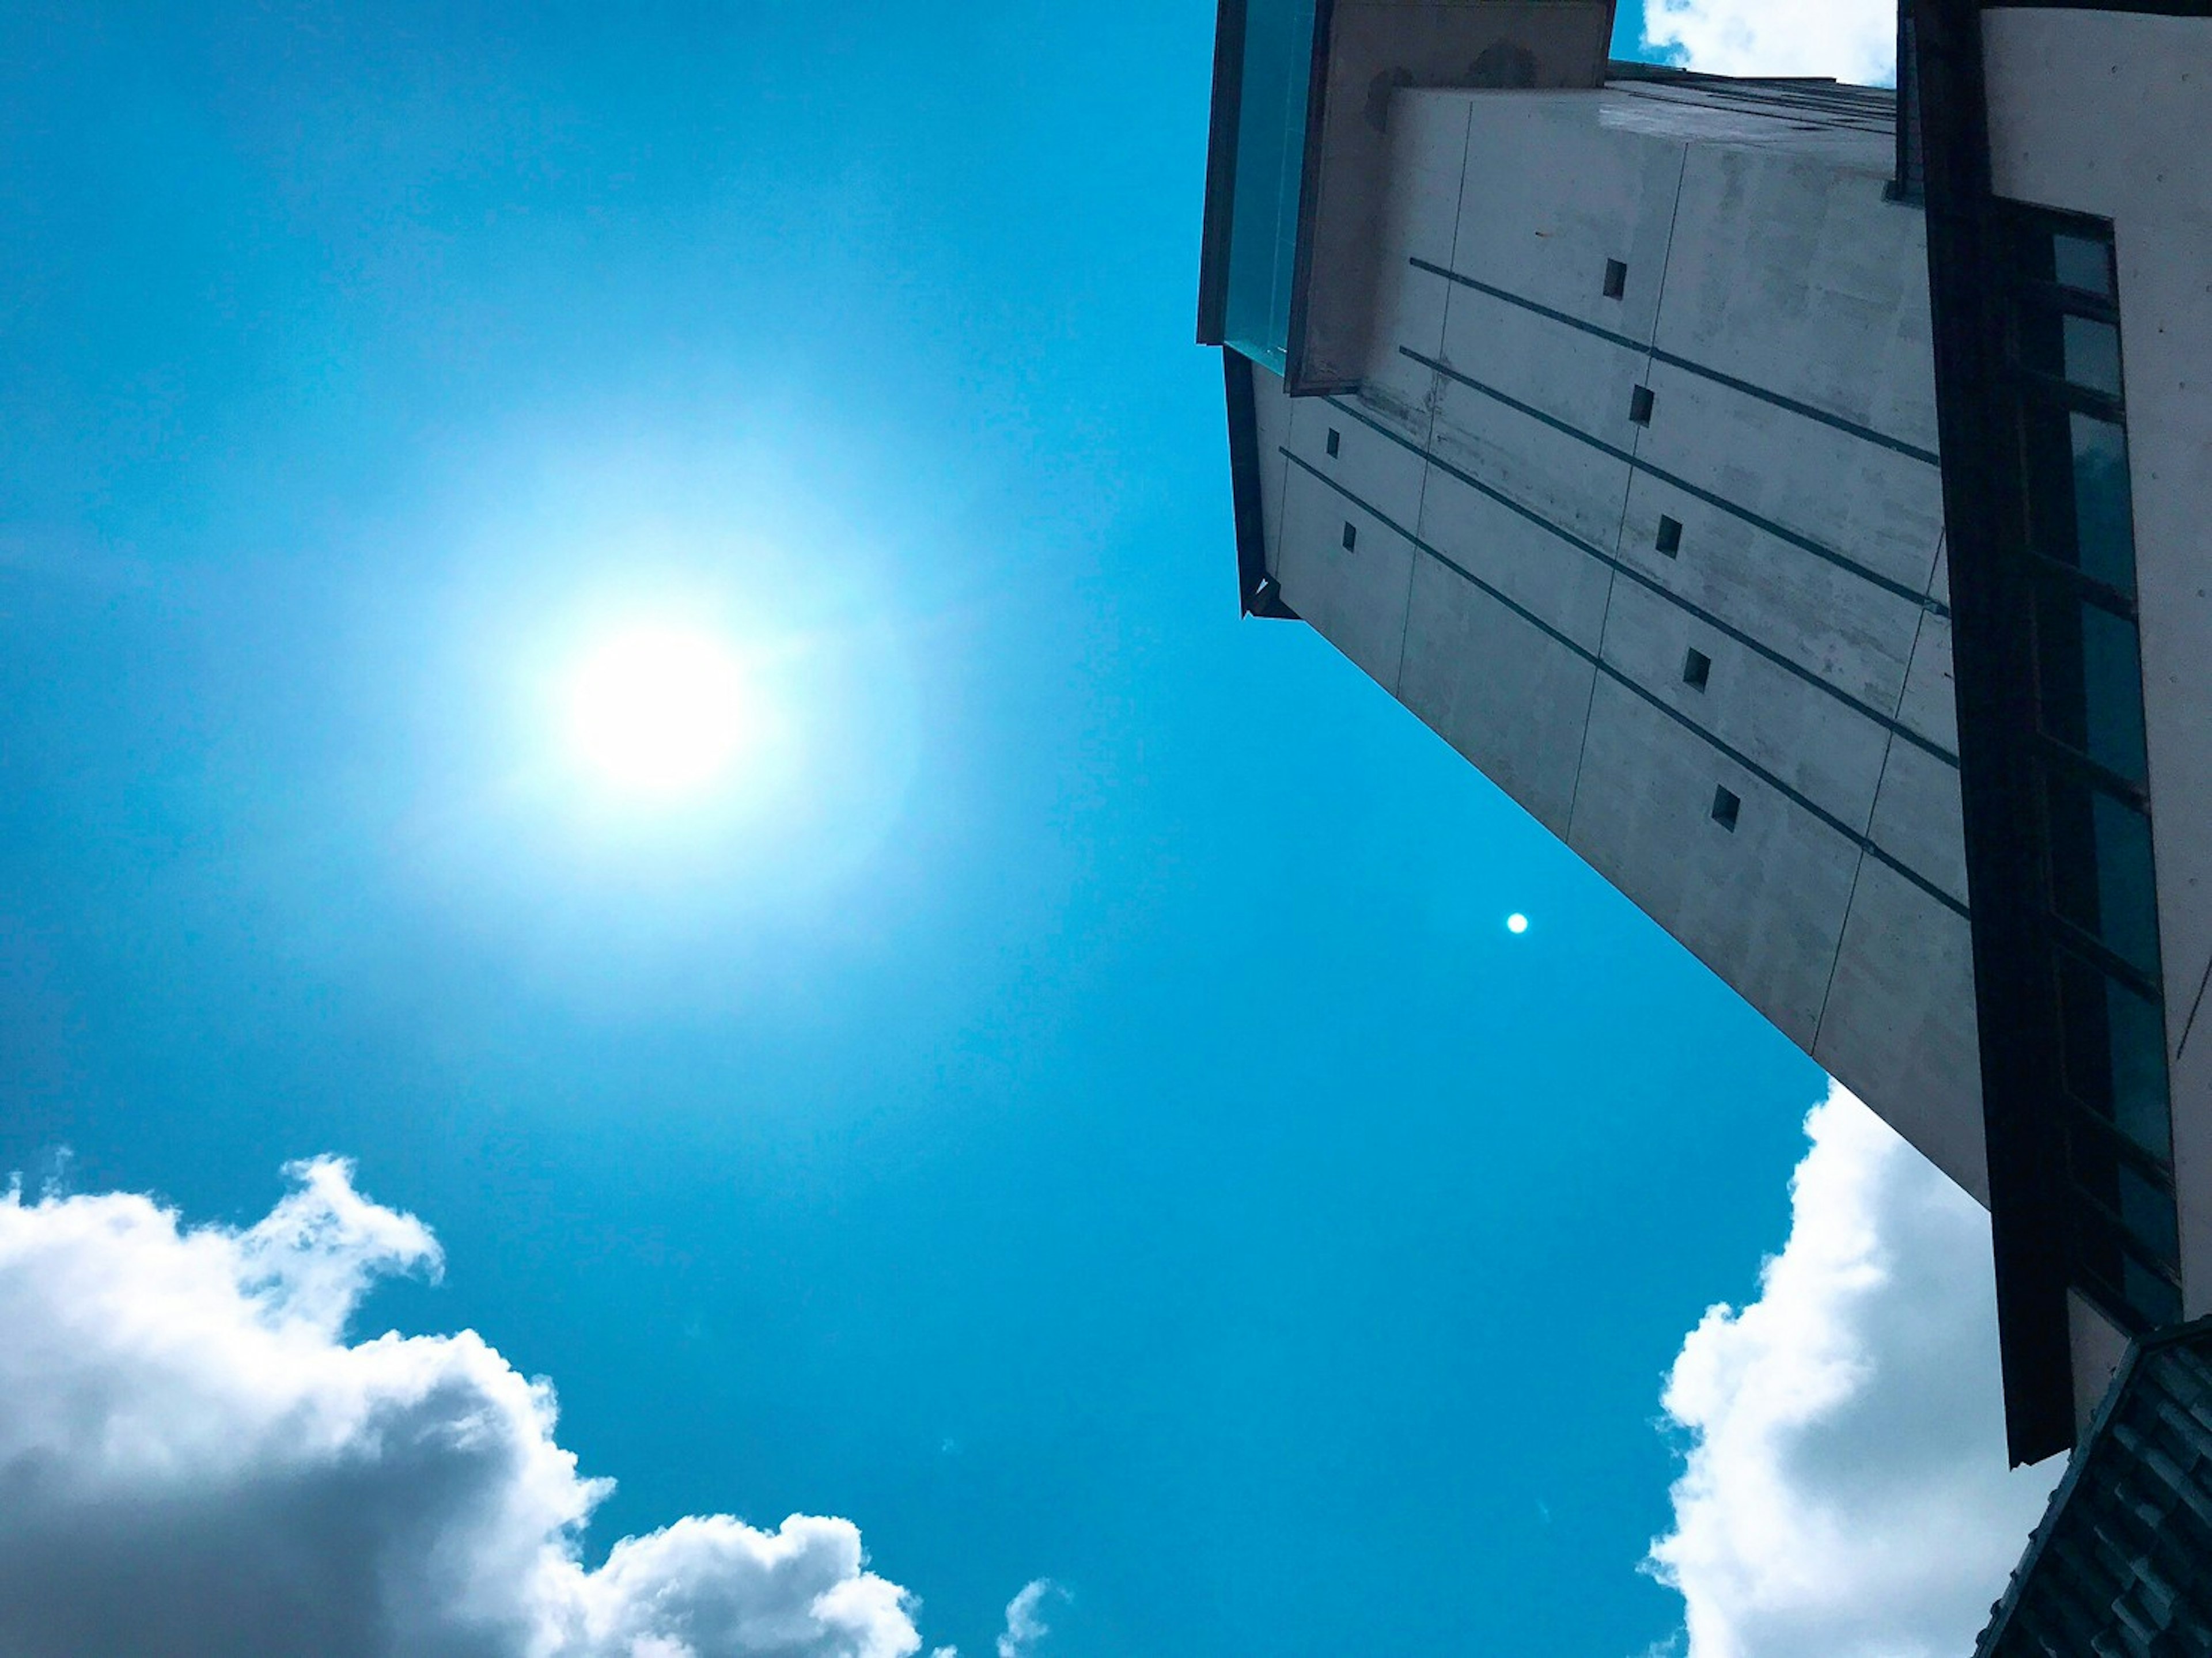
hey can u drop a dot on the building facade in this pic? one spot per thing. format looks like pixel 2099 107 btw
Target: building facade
pixel 1607 417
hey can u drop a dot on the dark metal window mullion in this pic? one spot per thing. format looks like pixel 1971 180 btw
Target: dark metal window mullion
pixel 2099 954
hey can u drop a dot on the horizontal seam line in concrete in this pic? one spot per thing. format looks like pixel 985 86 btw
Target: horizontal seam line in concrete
pixel 1865 843
pixel 1795 406
pixel 1887 722
pixel 1875 578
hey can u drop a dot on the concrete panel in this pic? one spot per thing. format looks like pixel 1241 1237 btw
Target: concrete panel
pixel 1505 694
pixel 2097 1347
pixel 1551 578
pixel 1881 510
pixel 1930 704
pixel 1428 171
pixel 1763 905
pixel 1373 46
pixel 1794 275
pixel 1570 375
pixel 1562 480
pixel 1420 215
pixel 1355 599
pixel 1915 817
pixel 2189 1080
pixel 1898 1027
pixel 1852 635
pixel 1387 476
pixel 1819 746
pixel 1551 194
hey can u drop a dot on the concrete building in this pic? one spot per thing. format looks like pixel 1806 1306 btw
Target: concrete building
pixel 1608 416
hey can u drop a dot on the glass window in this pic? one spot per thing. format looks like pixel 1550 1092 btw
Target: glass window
pixel 2070 258
pixel 2130 1285
pixel 2115 1053
pixel 2101 878
pixel 2081 262
pixel 2077 481
pixel 2082 351
pixel 2104 537
pixel 2150 1294
pixel 2142 1201
pixel 2091 356
pixel 2089 680
pixel 2147 1212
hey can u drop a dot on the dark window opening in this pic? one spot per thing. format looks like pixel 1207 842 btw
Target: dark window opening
pixel 1697 669
pixel 2097 852
pixel 2113 1048
pixel 1670 536
pixel 1616 279
pixel 1728 806
pixel 2089 680
pixel 2076 465
pixel 1336 441
pixel 1350 536
pixel 1639 405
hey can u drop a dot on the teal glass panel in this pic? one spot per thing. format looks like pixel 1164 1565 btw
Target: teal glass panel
pixel 1270 147
pixel 2146 1211
pixel 2114 1054
pixel 2103 536
pixel 2083 351
pixel 2089 680
pixel 2077 481
pixel 2101 877
pixel 2071 260
pixel 2151 1296
pixel 2093 354
pixel 2081 262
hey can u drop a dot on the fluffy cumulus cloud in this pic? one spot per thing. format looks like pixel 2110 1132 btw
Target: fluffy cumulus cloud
pixel 1854 41
pixel 1846 1491
pixel 194 1460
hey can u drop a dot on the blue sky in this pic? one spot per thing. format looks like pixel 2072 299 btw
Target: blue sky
pixel 1092 1123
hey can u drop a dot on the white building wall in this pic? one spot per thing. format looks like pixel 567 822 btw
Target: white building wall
pixel 2109 113
pixel 1506 580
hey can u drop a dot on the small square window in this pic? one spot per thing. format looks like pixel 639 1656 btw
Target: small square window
pixel 1697 669
pixel 1351 537
pixel 1336 441
pixel 1639 405
pixel 1670 536
pixel 1616 279
pixel 1727 805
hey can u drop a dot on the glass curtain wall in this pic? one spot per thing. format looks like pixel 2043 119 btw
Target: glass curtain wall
pixel 2100 915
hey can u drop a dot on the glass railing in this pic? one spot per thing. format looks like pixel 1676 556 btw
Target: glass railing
pixel 1271 144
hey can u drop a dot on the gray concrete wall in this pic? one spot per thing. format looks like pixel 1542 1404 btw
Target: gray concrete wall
pixel 2108 112
pixel 1507 581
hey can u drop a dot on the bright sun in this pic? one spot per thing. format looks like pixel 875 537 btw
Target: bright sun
pixel 661 711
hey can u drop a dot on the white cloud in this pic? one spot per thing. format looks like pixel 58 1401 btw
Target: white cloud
pixel 1846 1491
pixel 194 1460
pixel 1025 1627
pixel 1854 41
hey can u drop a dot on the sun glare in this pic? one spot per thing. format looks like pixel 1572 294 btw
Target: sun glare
pixel 661 712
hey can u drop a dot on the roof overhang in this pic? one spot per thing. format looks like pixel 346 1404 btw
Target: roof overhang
pixel 1298 152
